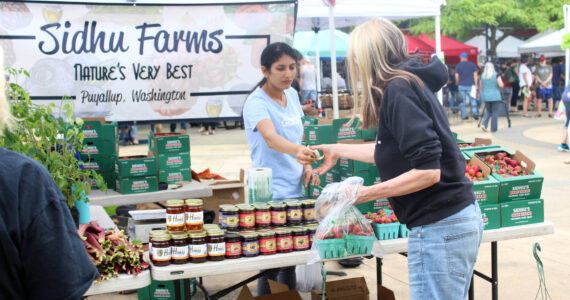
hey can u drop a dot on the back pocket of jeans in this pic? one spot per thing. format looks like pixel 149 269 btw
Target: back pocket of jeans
pixel 461 250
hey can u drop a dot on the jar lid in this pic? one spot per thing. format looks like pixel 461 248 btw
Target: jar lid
pixel 215 233
pixel 298 229
pixel 249 234
pixel 308 202
pixel 292 202
pixel 211 226
pixel 177 202
pixel 266 233
pixel 228 207
pixel 194 202
pixel 161 238
pixel 261 205
pixel 283 230
pixel 157 232
pixel 278 205
pixel 180 235
pixel 312 226
pixel 197 234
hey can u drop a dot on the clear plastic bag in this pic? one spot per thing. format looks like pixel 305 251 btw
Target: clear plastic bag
pixel 342 229
pixel 309 277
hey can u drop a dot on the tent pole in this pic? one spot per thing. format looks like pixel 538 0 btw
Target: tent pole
pixel 438 51
pixel 333 62
pixel 318 64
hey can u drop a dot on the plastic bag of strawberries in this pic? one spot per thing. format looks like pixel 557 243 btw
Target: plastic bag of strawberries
pixel 343 230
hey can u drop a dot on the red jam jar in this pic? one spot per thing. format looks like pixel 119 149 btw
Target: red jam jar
pixel 194 212
pixel 267 242
pixel 246 216
pixel 311 230
pixel 300 239
pixel 284 240
pixel 262 215
pixel 278 214
pixel 308 210
pixel 233 245
pixel 175 215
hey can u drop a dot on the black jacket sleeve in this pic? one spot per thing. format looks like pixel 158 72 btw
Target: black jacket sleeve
pixel 411 126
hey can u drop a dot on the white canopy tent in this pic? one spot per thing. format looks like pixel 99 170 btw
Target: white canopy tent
pixel 549 44
pixel 506 48
pixel 316 13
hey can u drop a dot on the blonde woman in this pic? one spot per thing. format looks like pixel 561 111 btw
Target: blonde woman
pixel 491 85
pixel 422 169
pixel 43 257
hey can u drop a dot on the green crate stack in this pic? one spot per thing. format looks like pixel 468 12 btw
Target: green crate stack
pixel 136 174
pixel 172 152
pixel 165 290
pixel 100 149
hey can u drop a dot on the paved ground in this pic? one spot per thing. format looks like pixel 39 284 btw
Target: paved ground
pixel 227 151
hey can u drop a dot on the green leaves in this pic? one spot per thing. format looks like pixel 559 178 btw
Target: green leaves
pixel 49 139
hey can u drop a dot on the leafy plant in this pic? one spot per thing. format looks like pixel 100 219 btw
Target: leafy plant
pixel 53 141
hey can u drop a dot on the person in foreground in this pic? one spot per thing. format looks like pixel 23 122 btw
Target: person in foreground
pixel 422 169
pixel 272 118
pixel 41 254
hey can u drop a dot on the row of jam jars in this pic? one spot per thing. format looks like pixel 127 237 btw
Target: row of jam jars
pixel 262 215
pixel 228 217
pixel 246 216
pixel 294 212
pixel 194 212
pixel 278 214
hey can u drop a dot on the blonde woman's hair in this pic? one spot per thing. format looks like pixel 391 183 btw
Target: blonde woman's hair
pixel 5 115
pixel 375 49
pixel 488 70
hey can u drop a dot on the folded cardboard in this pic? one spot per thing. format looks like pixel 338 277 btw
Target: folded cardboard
pixel 522 212
pixel 491 215
pixel 278 290
pixel 344 289
pixel 142 222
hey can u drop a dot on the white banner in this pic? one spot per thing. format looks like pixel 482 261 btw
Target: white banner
pixel 143 62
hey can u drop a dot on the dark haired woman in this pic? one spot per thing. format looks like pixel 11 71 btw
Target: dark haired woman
pixel 272 119
pixel 422 169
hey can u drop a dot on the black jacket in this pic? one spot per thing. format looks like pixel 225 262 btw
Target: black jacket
pixel 413 132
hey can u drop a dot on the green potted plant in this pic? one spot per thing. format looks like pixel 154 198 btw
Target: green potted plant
pixel 54 140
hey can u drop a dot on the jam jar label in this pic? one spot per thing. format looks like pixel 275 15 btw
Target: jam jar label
pixel 294 214
pixel 233 249
pixel 250 248
pixel 193 218
pixel 309 214
pixel 161 254
pixel 180 252
pixel 175 219
pixel 229 221
pixel 262 217
pixel 247 220
pixel 198 250
pixel 284 243
pixel 278 217
pixel 267 245
pixel 216 249
pixel 301 242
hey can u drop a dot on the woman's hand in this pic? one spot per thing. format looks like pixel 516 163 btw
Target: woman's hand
pixel 330 152
pixel 310 176
pixel 305 156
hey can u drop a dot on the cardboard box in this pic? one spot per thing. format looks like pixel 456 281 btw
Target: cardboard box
pixel 319 134
pixel 166 290
pixel 101 147
pixel 307 120
pixel 170 143
pixel 135 185
pixel 225 192
pixel 331 176
pixel 479 144
pixel 131 166
pixel 278 290
pixel 173 176
pixel 173 161
pixel 345 166
pixel 343 131
pixel 491 214
pixel 98 129
pixel 372 206
pixel 486 191
pixel 345 289
pixel 522 212
pixel 99 163
pixel 315 191
pixel 142 222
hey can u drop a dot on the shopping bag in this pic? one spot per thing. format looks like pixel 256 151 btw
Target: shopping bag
pixel 309 277
pixel 473 93
pixel 560 113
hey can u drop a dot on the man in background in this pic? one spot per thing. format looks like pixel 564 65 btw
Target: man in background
pixel 466 77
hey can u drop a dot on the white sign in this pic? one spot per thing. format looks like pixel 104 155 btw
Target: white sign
pixel 143 62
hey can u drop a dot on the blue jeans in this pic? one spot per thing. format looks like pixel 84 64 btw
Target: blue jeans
pixel 453 100
pixel 442 255
pixel 492 110
pixel 465 92
pixel 567 107
pixel 308 94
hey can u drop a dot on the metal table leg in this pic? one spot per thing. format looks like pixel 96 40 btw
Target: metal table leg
pixel 494 271
pixel 378 274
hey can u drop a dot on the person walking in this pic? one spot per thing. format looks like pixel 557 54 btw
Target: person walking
pixel 272 119
pixel 544 74
pixel 453 90
pixel 566 100
pixel 525 77
pixel 308 81
pixel 515 85
pixel 422 169
pixel 491 85
pixel 467 79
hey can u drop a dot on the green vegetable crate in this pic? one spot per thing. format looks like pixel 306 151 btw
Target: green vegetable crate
pixel 95 130
pixel 131 166
pixel 307 120
pixel 331 248
pixel 135 185
pixel 319 134
pixel 372 206
pixel 344 132
pixel 162 143
pixel 173 161
pixel 477 144
pixel 386 231
pixel 330 176
pixel 99 163
pixel 166 290
pixel 516 187
pixel 491 214
pixel 522 212
pixel 315 191
pixel 486 191
pixel 173 176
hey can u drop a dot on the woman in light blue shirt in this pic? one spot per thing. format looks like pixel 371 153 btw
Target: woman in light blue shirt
pixel 491 86
pixel 272 118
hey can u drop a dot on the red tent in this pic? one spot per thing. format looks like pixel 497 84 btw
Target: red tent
pixel 415 46
pixel 452 49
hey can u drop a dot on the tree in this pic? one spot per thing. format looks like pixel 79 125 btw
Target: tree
pixel 461 16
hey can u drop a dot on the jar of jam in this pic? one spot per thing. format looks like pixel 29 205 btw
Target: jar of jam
pixel 197 247
pixel 161 250
pixel 278 214
pixel 210 227
pixel 246 216
pixel 228 217
pixel 179 248
pixel 262 215
pixel 284 240
pixel 216 245
pixel 152 234
pixel 294 212
pixel 175 215
pixel 311 229
pixel 267 242
pixel 308 210
pixel 194 214
pixel 233 245
pixel 249 244
pixel 300 239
